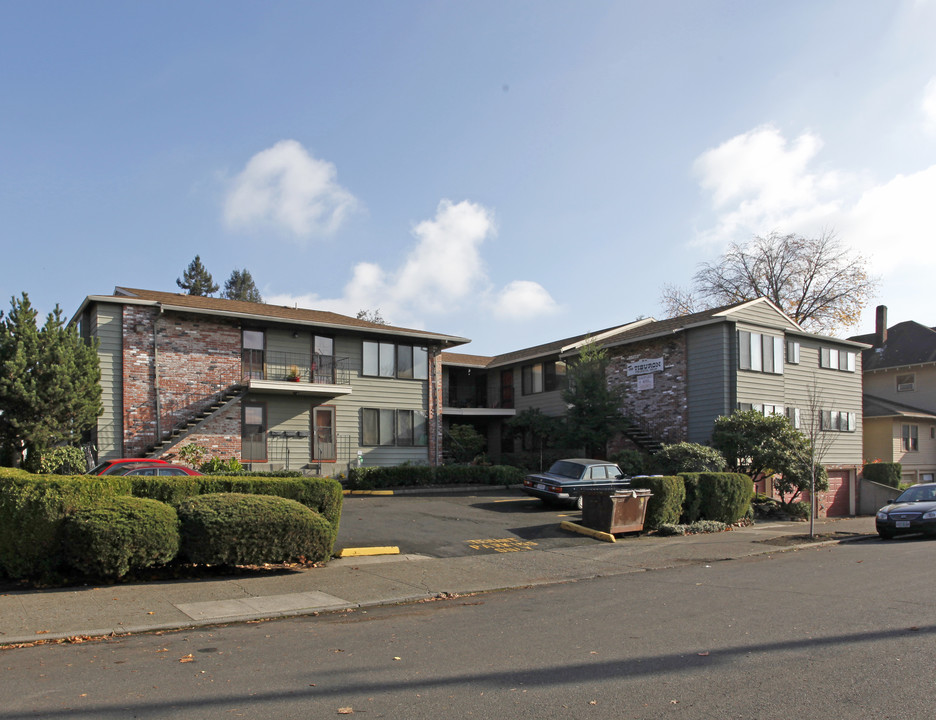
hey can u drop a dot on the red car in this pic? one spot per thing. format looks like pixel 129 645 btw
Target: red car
pixel 120 465
pixel 162 469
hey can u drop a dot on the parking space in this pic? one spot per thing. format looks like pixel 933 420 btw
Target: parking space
pixel 455 524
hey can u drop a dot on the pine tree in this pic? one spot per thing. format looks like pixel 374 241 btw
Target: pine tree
pixel 196 280
pixel 49 383
pixel 240 286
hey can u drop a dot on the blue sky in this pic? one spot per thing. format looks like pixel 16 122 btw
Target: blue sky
pixel 512 172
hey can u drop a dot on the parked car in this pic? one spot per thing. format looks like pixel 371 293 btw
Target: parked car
pixel 914 511
pixel 566 479
pixel 117 467
pixel 161 469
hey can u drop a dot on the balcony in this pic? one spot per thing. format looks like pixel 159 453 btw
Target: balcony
pixel 459 405
pixel 296 373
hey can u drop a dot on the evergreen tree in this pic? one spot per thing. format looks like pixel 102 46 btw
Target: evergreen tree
pixel 196 280
pixel 594 415
pixel 49 383
pixel 240 286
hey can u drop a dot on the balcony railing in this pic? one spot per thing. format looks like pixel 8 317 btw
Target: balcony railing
pixel 296 367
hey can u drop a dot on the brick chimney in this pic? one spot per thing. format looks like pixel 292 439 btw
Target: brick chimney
pixel 880 326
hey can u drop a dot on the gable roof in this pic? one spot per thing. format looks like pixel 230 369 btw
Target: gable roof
pixel 908 343
pixel 259 311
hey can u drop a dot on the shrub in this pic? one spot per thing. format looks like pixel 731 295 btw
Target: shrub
pixel 463 443
pixel 796 509
pixel 64 460
pixel 700 526
pixel 32 516
pixel 883 473
pixel 725 497
pixel 684 457
pixel 666 502
pixel 215 465
pixel 119 535
pixel 631 462
pixel 240 529
pixel 692 505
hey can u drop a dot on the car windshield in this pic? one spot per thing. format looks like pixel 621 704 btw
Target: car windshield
pixel 564 468
pixel 922 493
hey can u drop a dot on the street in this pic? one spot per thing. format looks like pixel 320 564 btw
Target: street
pixel 838 631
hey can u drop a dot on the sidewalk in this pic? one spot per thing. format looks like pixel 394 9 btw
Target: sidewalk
pixel 28 616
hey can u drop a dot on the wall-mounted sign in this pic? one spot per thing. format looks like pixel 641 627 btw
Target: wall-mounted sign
pixel 643 367
pixel 645 382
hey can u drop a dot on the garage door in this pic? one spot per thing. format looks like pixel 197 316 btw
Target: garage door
pixel 836 499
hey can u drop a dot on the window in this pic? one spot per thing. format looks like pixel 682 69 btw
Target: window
pixel 532 377
pixel 393 427
pixel 792 352
pixel 910 435
pixel 382 359
pixel 838 421
pixel 761 353
pixel 543 377
pixel 793 415
pixel 762 408
pixel 836 359
pixel 906 383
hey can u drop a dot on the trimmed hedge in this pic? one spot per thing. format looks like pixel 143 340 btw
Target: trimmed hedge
pixel 120 535
pixel 33 508
pixel 883 473
pixel 725 497
pixel 665 505
pixel 241 529
pixel 373 477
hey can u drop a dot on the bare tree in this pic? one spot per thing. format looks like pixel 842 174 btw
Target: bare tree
pixel 817 281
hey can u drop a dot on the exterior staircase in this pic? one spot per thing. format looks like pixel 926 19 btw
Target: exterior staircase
pixel 641 437
pixel 222 401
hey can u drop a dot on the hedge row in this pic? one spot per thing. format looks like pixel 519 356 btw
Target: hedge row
pixel 371 478
pixel 883 473
pixel 33 509
pixel 692 497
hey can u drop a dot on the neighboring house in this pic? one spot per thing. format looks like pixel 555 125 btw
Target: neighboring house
pixel 900 397
pixel 680 374
pixel 270 385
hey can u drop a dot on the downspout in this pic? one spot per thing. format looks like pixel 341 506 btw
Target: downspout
pixel 156 374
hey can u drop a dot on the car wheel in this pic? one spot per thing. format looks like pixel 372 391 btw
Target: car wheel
pixel 885 535
pixel 578 503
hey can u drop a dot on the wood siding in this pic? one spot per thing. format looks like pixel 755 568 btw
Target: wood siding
pixel 883 384
pixel 105 326
pixel 710 377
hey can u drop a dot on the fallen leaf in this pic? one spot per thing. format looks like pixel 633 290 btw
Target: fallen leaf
pixel 345 711
pixel 150 613
pixel 186 658
pixel 163 650
pixel 396 658
pixel 705 654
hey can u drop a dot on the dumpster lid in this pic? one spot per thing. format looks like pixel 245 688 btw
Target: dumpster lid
pixel 635 492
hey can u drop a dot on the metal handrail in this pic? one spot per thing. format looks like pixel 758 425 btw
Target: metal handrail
pixel 296 367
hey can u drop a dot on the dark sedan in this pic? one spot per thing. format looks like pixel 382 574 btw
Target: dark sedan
pixel 566 479
pixel 914 511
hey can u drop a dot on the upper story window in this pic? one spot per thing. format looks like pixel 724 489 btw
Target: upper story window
pixel 383 359
pixel 838 421
pixel 759 352
pixel 543 377
pixel 253 343
pixel 792 352
pixel 906 383
pixel 910 437
pixel 836 359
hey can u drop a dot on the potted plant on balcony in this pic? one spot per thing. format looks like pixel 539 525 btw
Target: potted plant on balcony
pixel 293 373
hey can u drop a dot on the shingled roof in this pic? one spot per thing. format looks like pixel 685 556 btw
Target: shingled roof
pixel 279 313
pixel 908 343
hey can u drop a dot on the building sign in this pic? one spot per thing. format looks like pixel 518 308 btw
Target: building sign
pixel 644 367
pixel 645 382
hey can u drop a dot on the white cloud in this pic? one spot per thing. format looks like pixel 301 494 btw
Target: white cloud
pixel 442 273
pixel 285 188
pixel 522 300
pixel 929 106
pixel 759 182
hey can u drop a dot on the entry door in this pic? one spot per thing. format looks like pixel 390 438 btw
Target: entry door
pixel 323 433
pixel 253 432
pixel 507 389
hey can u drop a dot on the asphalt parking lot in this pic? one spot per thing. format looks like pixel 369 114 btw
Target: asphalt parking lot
pixel 455 524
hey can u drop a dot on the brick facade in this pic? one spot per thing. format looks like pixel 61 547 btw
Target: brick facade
pixel 661 409
pixel 434 411
pixel 191 356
